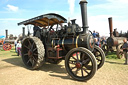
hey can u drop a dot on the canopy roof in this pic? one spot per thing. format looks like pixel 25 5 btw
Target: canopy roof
pixel 45 20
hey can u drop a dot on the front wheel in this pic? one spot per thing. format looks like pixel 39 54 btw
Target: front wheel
pixel 80 64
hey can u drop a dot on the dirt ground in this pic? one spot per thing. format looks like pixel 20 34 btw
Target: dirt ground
pixel 13 72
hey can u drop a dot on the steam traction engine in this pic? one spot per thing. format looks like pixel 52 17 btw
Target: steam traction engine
pixel 54 43
pixel 114 43
pixel 8 42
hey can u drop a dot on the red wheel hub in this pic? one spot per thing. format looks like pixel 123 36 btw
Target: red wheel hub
pixel 29 53
pixel 78 65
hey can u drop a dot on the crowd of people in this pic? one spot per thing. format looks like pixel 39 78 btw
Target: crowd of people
pixel 99 41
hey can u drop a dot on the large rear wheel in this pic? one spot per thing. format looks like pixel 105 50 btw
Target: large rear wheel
pixel 80 64
pixel 100 56
pixel 32 52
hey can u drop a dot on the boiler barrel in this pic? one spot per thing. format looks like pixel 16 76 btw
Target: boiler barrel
pixel 67 43
pixel 114 41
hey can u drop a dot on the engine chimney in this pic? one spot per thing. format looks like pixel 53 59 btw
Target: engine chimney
pixel 110 26
pixel 83 4
pixel 6 32
pixel 23 32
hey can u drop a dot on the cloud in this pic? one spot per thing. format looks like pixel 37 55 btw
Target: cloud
pixel 12 8
pixel 71 5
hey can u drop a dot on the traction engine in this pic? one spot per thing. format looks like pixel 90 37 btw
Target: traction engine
pixel 54 42
pixel 114 42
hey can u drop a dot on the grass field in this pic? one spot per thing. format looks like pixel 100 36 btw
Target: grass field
pixel 12 54
pixel 13 72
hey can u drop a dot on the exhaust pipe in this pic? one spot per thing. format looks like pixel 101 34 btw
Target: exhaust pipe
pixel 110 26
pixel 6 32
pixel 83 4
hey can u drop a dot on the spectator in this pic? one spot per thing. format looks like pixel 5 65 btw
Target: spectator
pixel 125 49
pixel 18 47
pixel 15 42
pixel 96 41
pixel 103 41
pixel 94 34
pixel 97 34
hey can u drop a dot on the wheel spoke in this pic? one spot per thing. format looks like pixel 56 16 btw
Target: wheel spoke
pixel 34 59
pixel 26 47
pixel 85 70
pixel 74 58
pixel 82 72
pixel 32 46
pixel 85 61
pixel 33 63
pixel 77 56
pixel 28 60
pixel 77 71
pixel 29 43
pixel 98 59
pixel 82 56
pixel 89 67
pixel 35 54
pixel 34 49
pixel 73 68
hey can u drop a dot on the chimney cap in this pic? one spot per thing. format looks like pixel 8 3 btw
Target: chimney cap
pixel 83 1
pixel 110 18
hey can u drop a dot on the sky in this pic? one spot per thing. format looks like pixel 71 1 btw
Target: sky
pixel 98 12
